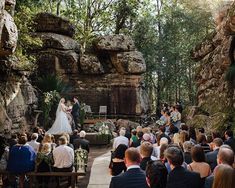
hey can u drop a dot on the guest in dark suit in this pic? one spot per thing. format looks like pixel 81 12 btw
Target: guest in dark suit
pixel 81 142
pixel 230 139
pixel 134 177
pixel 75 112
pixel 225 156
pixel 211 157
pixel 146 150
pixel 179 177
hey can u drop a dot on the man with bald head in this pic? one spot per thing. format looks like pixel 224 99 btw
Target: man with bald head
pixel 134 177
pixel 225 156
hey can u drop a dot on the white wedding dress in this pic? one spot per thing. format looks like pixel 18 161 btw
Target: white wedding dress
pixel 61 124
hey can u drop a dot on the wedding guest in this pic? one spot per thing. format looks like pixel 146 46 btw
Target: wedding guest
pixel 35 145
pixel 187 146
pixel 229 139
pixel 179 177
pixel 134 177
pixel 63 156
pixel 47 139
pixel 68 140
pixel 117 164
pixel 134 137
pixel 224 177
pixel 156 174
pixel 82 142
pixel 26 155
pixel 192 135
pixel 74 136
pixel 225 156
pixel 199 165
pixel 146 150
pixel 137 142
pixel 211 157
pixel 203 143
pixel 121 139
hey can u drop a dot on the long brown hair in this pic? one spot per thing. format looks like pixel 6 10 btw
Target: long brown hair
pixel 224 177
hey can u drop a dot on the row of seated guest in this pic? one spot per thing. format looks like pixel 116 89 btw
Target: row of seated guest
pixel 23 156
pixel 196 157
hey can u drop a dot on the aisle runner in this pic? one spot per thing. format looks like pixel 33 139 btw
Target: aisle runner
pixel 100 177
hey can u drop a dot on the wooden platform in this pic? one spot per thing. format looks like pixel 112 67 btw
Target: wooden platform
pixel 97 120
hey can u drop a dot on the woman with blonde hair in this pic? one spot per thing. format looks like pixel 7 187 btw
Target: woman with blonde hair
pixel 48 138
pixel 224 177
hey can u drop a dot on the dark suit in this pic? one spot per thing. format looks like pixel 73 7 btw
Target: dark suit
pixel 133 178
pixel 231 143
pixel 143 163
pixel 81 142
pixel 75 113
pixel 179 177
pixel 211 158
pixel 209 181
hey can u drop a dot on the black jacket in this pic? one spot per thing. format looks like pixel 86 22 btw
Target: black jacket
pixel 75 110
pixel 231 143
pixel 133 178
pixel 179 177
pixel 83 142
pixel 211 158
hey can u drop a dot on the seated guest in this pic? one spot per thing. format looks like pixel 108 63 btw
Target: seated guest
pixel 74 136
pixel 121 139
pixel 156 174
pixel 199 165
pixel 48 138
pixel 229 139
pixel 40 133
pixel 117 164
pixel 35 145
pixel 138 141
pixel 146 150
pixel 225 156
pixel 211 157
pixel 63 156
pixel 134 177
pixel 21 159
pixel 68 140
pixel 162 134
pixel 187 146
pixel 203 143
pixel 224 177
pixel 156 148
pixel 134 137
pixel 163 148
pixel 44 163
pixel 82 142
pixel 192 135
pixel 179 177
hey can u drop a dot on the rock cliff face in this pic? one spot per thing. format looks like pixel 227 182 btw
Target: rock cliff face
pixel 17 96
pixel 216 102
pixel 110 74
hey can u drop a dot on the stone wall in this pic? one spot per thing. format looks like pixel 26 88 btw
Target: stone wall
pixel 216 102
pixel 109 73
pixel 17 96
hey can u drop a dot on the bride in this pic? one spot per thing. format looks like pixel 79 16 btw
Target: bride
pixel 61 124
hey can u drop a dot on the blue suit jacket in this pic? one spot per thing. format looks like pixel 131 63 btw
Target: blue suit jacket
pixel 133 178
pixel 211 158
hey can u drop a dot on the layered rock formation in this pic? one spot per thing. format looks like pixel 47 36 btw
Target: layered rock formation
pixel 108 74
pixel 215 96
pixel 17 96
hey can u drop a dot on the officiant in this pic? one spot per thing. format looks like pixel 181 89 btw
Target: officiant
pixel 75 112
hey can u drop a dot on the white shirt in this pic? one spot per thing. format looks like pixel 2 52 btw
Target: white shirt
pixel 120 140
pixel 133 166
pixel 63 156
pixel 35 145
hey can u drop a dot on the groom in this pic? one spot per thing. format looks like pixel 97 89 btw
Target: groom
pixel 75 111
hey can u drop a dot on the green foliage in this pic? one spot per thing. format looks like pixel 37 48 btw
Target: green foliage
pixel 49 83
pixel 24 21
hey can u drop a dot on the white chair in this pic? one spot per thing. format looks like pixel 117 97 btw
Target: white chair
pixel 103 111
pixel 88 111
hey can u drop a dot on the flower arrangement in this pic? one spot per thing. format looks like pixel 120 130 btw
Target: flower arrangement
pixel 160 122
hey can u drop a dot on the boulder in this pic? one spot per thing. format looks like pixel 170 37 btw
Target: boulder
pixel 115 43
pixel 2 5
pixel 127 124
pixel 46 22
pixel 10 2
pixel 58 61
pixel 57 41
pixel 130 63
pixel 5 121
pixel 8 34
pixel 90 64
